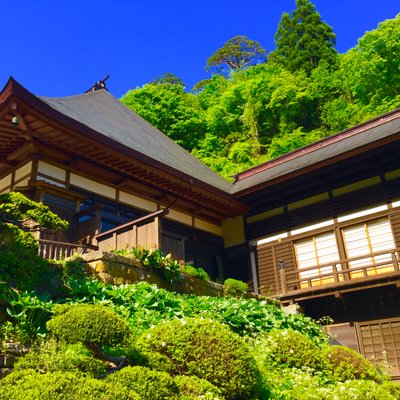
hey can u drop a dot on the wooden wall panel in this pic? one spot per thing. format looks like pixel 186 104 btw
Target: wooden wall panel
pixel 395 222
pixel 268 258
pixel 379 342
pixel 268 274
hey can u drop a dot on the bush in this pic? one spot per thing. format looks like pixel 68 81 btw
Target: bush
pixel 195 272
pixel 89 324
pixel 208 350
pixel 150 385
pixel 356 390
pixel 236 288
pixel 290 348
pixel 192 387
pixel 346 364
pixel 52 356
pixel 150 359
pixel 31 385
pixel 393 388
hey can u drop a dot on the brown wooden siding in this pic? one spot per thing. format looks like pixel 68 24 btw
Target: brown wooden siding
pixel 269 258
pixel 395 222
pixel 268 275
pixel 379 341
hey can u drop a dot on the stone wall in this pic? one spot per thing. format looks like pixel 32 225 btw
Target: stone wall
pixel 116 269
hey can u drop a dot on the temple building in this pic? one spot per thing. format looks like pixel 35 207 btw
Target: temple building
pixel 319 226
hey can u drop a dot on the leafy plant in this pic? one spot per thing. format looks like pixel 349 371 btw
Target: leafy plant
pixel 346 364
pixel 95 326
pixel 195 272
pixel 208 350
pixel 236 288
pixel 28 311
pixel 51 356
pixel 290 348
pixel 61 385
pixel 150 385
pixel 192 387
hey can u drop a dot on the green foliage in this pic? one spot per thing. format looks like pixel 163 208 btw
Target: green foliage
pixel 235 288
pixel 155 258
pixel 290 348
pixel 51 356
pixel 303 39
pixel 150 385
pixel 237 53
pixel 167 79
pixel 208 350
pixel 61 385
pixel 88 324
pixel 27 311
pixel 356 389
pixel 346 364
pixel 195 272
pixel 169 108
pixel 192 387
pixel 17 207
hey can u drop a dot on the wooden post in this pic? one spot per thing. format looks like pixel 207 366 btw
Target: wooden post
pixel 282 273
pixel 394 261
pixel 335 273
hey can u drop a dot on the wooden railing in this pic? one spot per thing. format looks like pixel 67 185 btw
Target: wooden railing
pixel 339 273
pixel 53 250
pixel 143 232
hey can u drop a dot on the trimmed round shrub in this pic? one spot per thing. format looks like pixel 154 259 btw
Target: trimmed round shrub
pixel 290 348
pixel 31 385
pixel 346 364
pixel 191 387
pixel 55 356
pixel 206 349
pixel 89 324
pixel 150 385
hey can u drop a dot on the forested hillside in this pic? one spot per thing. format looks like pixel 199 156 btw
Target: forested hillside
pixel 258 106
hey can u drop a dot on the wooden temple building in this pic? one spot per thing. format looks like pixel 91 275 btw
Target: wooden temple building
pixel 319 226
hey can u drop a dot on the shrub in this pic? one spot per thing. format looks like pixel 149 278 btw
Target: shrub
pixel 150 385
pixel 191 387
pixel 345 364
pixel 290 348
pixel 31 385
pixel 93 325
pixel 356 390
pixel 52 356
pixel 89 324
pixel 150 359
pixel 208 350
pixel 195 272
pixel 236 288
pixel 393 388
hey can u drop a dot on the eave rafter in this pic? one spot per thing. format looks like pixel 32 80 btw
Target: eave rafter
pixel 56 140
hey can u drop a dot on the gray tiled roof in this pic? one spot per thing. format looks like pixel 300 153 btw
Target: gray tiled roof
pixel 321 151
pixel 103 113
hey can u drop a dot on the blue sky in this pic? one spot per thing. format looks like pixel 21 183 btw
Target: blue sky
pixel 60 48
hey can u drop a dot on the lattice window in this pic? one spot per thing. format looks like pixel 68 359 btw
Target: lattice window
pixel 368 246
pixel 316 257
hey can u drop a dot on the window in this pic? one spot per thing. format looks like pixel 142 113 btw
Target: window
pixel 317 256
pixel 368 247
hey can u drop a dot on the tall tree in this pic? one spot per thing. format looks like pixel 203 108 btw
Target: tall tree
pixel 303 39
pixel 237 53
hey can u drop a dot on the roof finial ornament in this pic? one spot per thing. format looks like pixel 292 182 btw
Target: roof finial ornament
pixel 99 85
